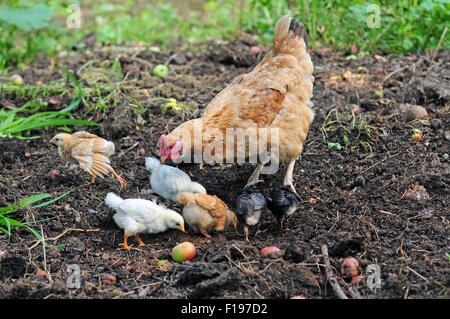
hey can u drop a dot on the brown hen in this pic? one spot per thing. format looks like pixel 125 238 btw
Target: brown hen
pixel 275 96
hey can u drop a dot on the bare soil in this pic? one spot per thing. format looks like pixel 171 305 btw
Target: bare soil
pixel 382 198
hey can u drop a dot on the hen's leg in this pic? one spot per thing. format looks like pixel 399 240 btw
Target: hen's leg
pixel 125 241
pixel 288 179
pixel 122 182
pixel 254 179
pixel 141 243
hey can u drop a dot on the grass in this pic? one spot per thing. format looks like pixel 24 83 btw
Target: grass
pixel 373 26
pixel 6 223
pixel 14 125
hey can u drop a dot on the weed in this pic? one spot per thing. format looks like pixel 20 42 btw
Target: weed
pixel 14 125
pixel 355 131
pixel 6 222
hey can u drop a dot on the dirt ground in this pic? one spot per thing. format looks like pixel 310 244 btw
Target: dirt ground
pixel 378 195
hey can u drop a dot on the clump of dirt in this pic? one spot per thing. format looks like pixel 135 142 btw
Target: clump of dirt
pixel 354 198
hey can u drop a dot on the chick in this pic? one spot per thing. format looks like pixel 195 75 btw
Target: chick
pixel 168 181
pixel 136 216
pixel 282 202
pixel 89 151
pixel 206 212
pixel 251 206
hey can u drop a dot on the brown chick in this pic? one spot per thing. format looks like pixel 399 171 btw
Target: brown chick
pixel 206 212
pixel 89 151
pixel 275 96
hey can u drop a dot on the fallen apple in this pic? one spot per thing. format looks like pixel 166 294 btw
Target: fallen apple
pixel 268 250
pixel 184 251
pixel 417 135
pixel 16 79
pixel 160 70
pixel 349 267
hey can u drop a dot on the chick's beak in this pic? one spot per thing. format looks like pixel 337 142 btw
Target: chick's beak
pixel 52 141
pixel 163 159
pixel 181 228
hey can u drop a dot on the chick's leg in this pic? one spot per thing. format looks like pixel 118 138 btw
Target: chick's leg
pixel 205 233
pixel 288 179
pixel 141 243
pixel 122 182
pixel 125 241
pixel 246 233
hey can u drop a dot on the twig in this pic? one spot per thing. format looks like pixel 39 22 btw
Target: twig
pixel 386 158
pixel 49 277
pixel 128 149
pixel 330 276
pixel 412 270
pixel 439 43
pixel 392 73
pixel 355 293
pixel 60 235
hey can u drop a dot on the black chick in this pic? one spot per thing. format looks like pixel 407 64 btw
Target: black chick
pixel 282 202
pixel 250 206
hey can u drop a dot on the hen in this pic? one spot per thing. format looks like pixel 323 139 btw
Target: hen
pixel 168 181
pixel 89 151
pixel 272 104
pixel 282 202
pixel 135 215
pixel 206 212
pixel 251 206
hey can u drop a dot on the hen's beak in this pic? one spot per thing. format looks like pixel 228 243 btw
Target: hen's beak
pixel 52 141
pixel 181 228
pixel 163 159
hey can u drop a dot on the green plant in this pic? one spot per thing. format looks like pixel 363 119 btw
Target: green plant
pixel 14 125
pixel 25 29
pixel 6 223
pixel 354 131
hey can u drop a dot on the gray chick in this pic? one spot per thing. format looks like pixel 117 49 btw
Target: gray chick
pixel 251 206
pixel 282 202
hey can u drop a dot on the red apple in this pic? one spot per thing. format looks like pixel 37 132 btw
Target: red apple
pixel 349 267
pixel 184 251
pixel 267 250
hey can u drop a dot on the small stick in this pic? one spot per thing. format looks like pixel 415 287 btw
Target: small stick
pixel 62 234
pixel 49 277
pixel 392 73
pixel 412 270
pixel 128 149
pixel 330 276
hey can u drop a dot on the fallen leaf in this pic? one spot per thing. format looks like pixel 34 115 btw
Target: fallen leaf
pixel 380 58
pixel 347 75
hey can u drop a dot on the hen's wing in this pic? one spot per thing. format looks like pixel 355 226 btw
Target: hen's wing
pixel 215 207
pixel 141 210
pixel 95 164
pixel 93 142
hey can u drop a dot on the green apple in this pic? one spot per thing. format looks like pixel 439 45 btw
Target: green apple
pixel 16 79
pixel 160 70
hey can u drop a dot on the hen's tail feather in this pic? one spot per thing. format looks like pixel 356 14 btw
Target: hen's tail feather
pixel 290 37
pixel 298 29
